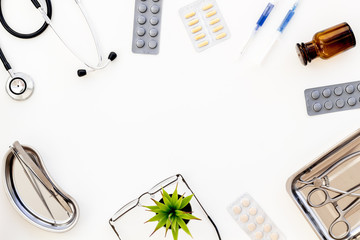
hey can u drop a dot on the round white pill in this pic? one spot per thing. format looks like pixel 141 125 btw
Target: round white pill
pixel 251 227
pixel 237 210
pixel 260 219
pixel 259 235
pixel 267 228
pixel 244 218
pixel 253 211
pixel 274 236
pixel 245 202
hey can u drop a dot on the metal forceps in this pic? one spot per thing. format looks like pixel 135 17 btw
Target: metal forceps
pixel 321 185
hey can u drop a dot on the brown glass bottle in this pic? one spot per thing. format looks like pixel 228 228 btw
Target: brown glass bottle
pixel 327 43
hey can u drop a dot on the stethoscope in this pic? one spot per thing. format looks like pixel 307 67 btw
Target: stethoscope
pixel 20 86
pixel 321 184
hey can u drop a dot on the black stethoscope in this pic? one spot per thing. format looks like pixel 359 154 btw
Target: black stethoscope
pixel 20 86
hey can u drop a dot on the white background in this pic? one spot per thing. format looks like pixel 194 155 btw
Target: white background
pixel 229 127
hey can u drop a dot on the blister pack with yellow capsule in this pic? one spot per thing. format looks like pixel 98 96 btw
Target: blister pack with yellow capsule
pixel 204 24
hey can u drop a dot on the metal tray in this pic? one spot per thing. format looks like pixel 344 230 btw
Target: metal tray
pixel 29 201
pixel 327 191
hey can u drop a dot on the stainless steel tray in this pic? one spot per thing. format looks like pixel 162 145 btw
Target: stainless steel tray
pixel 327 191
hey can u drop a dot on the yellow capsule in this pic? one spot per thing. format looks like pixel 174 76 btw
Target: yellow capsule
pixel 203 44
pixel 214 21
pixel 218 28
pixel 199 36
pixel 190 15
pixel 196 29
pixel 193 22
pixel 207 7
pixel 220 36
pixel 211 13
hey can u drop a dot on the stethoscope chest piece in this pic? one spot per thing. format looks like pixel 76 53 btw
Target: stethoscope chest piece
pixel 20 86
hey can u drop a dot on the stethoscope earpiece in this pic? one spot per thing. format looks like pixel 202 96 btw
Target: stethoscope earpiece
pixel 112 56
pixel 20 86
pixel 81 72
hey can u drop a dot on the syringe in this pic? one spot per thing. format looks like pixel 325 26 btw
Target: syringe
pixel 260 23
pixel 281 28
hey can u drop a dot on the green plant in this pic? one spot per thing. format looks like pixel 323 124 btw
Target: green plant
pixel 170 213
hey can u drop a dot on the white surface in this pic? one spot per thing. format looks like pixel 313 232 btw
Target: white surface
pixel 228 127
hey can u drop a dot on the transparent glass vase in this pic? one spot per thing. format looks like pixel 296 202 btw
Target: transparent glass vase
pixel 129 222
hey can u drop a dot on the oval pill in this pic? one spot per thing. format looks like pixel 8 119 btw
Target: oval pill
pixel 328 105
pixel 155 9
pixel 244 218
pixel 350 89
pixel 142 8
pixel 267 228
pixel 251 227
pixel 153 32
pixel 260 219
pixel 259 235
pixel 253 211
pixel 211 13
pixel 152 44
pixel 140 43
pixel 214 21
pixel 236 210
pixel 218 28
pixel 245 202
pixel 190 15
pixel 315 94
pixel 274 236
pixel 199 36
pixel 196 29
pixel 340 103
pixel 207 7
pixel 203 44
pixel 154 21
pixel 326 93
pixel 338 91
pixel 193 22
pixel 351 101
pixel 220 36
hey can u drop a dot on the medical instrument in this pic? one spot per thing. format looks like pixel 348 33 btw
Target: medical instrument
pixel 264 16
pixel 147 26
pixel 333 98
pixel 290 14
pixel 34 194
pixel 328 191
pixel 20 86
pixel 327 43
pixel 253 220
pixel 128 222
pixel 204 23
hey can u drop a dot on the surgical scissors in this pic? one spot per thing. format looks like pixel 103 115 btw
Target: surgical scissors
pixel 321 185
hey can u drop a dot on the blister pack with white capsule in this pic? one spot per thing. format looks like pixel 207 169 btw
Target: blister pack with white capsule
pixel 204 24
pixel 253 220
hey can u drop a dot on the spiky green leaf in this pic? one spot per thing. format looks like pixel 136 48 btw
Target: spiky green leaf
pixel 186 201
pixel 161 223
pixel 175 228
pixel 183 226
pixel 174 197
pixel 157 217
pixel 161 206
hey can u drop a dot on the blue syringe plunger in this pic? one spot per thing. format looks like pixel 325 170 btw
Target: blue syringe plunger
pixel 287 18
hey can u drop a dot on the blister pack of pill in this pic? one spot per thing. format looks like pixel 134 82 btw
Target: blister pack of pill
pixel 333 98
pixel 253 220
pixel 147 26
pixel 204 24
